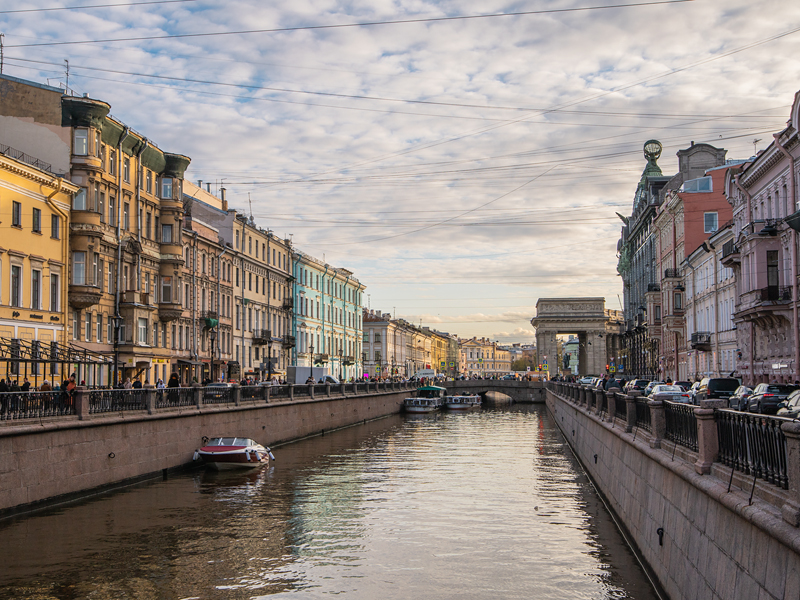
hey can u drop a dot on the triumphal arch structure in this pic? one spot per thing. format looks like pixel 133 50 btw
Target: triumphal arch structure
pixel 597 329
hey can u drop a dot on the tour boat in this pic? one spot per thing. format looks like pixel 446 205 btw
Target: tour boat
pixel 233 453
pixel 465 402
pixel 428 399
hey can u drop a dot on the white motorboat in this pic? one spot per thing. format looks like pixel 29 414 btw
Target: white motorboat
pixel 429 398
pixel 233 453
pixel 464 402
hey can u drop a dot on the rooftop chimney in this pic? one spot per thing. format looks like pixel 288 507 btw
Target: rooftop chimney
pixel 224 201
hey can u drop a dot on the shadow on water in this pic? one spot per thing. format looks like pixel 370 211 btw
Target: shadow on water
pixel 362 512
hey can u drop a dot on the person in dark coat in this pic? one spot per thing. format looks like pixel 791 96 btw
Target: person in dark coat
pixel 174 381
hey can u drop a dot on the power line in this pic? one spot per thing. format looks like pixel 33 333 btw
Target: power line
pixel 345 25
pixel 36 10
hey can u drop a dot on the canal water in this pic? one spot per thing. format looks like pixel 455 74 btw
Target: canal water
pixel 485 505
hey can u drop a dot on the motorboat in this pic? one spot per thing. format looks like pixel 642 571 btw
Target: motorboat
pixel 429 398
pixel 233 453
pixel 463 402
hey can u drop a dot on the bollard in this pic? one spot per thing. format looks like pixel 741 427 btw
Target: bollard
pixel 630 412
pixel 791 509
pixel 328 390
pixel 611 402
pixel 291 392
pixel 150 398
pixel 707 436
pixel 658 422
pixel 237 394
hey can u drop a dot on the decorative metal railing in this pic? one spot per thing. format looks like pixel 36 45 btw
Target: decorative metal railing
pixel 681 424
pixel 620 407
pixel 103 401
pixel 643 414
pixel 34 405
pixel 753 444
pixel 174 397
pixel 217 395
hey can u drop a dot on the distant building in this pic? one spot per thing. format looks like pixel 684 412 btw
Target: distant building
pixel 484 358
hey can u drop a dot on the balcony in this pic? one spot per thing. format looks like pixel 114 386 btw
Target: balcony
pixel 84 295
pixel 672 273
pixel 211 318
pixel 321 359
pixel 701 340
pixel 289 341
pixel 169 311
pixel 653 287
pixel 288 303
pixel 261 337
pixel 774 293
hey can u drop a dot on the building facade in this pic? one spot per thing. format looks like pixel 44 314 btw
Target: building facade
pixel 481 357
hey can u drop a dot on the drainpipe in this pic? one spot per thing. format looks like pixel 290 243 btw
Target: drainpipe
pixel 194 304
pixel 219 304
pixel 323 310
pixel 748 199
pixel 795 325
pixel 138 210
pixel 269 302
pixel 344 322
pixel 64 251
pixel 117 316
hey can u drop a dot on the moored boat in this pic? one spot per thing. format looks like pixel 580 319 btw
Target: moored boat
pixel 233 453
pixel 429 398
pixel 464 402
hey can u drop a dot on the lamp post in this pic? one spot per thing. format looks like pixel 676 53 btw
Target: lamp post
pixel 269 358
pixel 117 324
pixel 213 336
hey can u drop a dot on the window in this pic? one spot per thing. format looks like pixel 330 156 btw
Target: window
pixel 148 225
pixel 109 330
pixel 237 240
pixel 166 237
pixel 112 211
pixel 16 214
pixel 79 268
pixel 101 207
pixel 126 210
pixel 702 184
pixel 166 188
pixel 112 162
pixel 377 337
pixel 80 146
pixel 75 321
pixel 16 285
pixel 149 181
pixel 36 227
pixel 678 301
pixel 55 292
pixel 55 227
pixel 36 289
pixel 79 202
pixel 99 332
pixel 710 222
pixel 88 325
pixel 126 170
pixel 155 334
pixel 166 290
pixel 142 330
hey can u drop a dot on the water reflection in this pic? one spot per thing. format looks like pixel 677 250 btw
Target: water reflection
pixel 488 504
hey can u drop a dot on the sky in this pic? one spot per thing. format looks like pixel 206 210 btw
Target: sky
pixel 463 159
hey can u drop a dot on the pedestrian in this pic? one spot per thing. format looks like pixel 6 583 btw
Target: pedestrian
pixel 26 385
pixel 174 382
pixel 45 387
pixel 160 384
pixel 127 385
pixel 137 385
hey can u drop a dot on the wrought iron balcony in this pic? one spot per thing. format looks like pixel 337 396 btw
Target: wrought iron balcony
pixel 672 273
pixel 701 340
pixel 289 341
pixel 288 303
pixel 729 248
pixel 653 287
pixel 261 337
pixel 774 293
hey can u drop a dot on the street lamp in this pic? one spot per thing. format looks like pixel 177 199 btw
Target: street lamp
pixel 213 336
pixel 117 320
pixel 269 358
pixel 341 372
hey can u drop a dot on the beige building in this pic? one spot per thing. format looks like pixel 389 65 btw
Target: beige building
pixel 483 358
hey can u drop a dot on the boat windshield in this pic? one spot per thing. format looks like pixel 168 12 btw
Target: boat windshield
pixel 228 441
pixel 429 393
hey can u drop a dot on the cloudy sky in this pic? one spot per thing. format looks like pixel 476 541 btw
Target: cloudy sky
pixel 463 159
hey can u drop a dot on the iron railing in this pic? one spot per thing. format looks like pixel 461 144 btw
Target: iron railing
pixel 672 273
pixel 642 414
pixel 104 401
pixel 34 405
pixel 217 395
pixel 620 407
pixel 774 293
pixel 26 158
pixel 729 248
pixel 681 424
pixel 753 444
pixel 174 397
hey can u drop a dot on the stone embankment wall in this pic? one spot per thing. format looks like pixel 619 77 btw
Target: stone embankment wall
pixel 55 459
pixel 698 539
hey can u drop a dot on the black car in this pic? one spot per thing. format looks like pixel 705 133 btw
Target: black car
pixel 739 398
pixel 686 385
pixel 766 397
pixel 636 384
pixel 716 388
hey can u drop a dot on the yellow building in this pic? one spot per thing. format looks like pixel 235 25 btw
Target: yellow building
pixel 483 358
pixel 34 254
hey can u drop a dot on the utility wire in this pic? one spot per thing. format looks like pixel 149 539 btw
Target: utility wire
pixel 36 10
pixel 345 25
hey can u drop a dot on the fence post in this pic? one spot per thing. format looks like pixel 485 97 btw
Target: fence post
pixel 150 398
pixel 630 412
pixel 291 392
pixel 328 390
pixel 311 390
pixel 658 422
pixel 82 403
pixel 198 395
pixel 267 391
pixel 611 402
pixel 237 394
pixel 791 510
pixel 707 437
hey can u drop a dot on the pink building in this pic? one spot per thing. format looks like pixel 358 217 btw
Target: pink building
pixel 763 254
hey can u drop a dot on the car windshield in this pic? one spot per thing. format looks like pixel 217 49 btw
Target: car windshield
pixel 723 385
pixel 668 388
pixel 780 389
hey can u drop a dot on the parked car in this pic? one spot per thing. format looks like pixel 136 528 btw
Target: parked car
pixel 651 385
pixel 716 388
pixel 739 398
pixel 329 379
pixel 587 380
pixel 671 393
pixel 217 391
pixel 766 397
pixel 686 385
pixel 636 384
pixel 791 407
pixel 693 392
